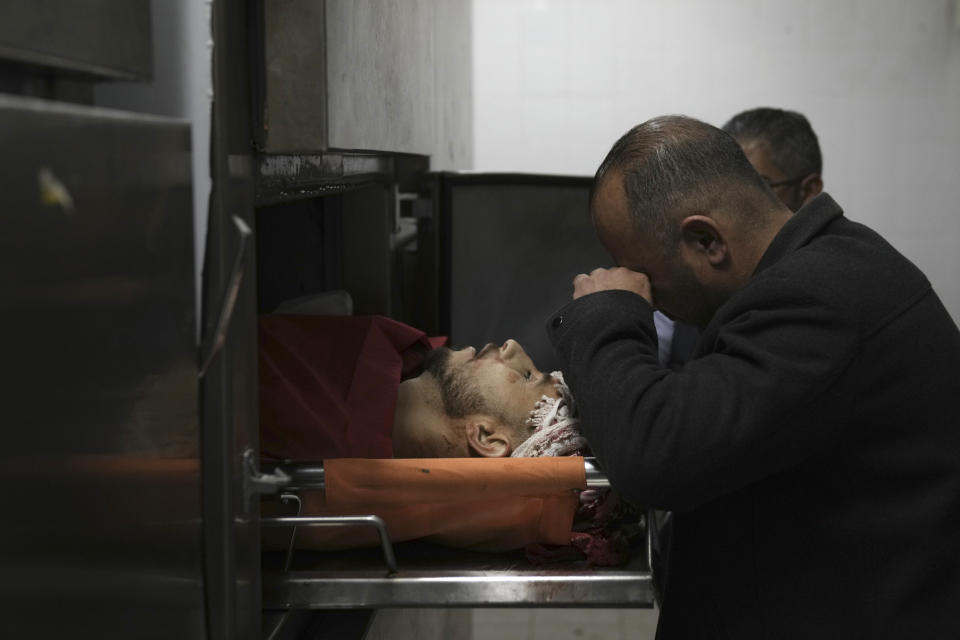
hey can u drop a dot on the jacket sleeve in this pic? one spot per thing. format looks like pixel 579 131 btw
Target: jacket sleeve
pixel 762 396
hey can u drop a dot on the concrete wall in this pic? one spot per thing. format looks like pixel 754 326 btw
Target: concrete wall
pixel 557 81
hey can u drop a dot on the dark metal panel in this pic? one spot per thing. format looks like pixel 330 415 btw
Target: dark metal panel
pixel 294 68
pixel 98 390
pixel 36 82
pixel 511 245
pixel 109 38
pixel 229 388
pixel 291 261
pixel 337 242
pixel 367 258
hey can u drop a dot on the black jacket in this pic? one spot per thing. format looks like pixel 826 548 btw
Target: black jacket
pixel 810 450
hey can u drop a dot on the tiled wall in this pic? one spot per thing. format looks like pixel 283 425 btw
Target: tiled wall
pixel 557 81
pixel 564 624
pixel 419 624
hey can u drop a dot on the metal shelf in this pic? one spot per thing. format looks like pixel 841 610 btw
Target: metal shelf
pixel 291 177
pixel 434 576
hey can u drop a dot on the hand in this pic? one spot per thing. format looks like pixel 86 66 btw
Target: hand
pixel 610 279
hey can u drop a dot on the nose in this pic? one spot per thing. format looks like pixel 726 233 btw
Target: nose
pixel 511 351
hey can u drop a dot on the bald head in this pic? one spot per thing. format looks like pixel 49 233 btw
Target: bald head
pixel 677 200
pixel 672 166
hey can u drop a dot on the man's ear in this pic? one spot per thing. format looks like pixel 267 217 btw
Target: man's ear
pixel 703 236
pixel 811 186
pixel 487 438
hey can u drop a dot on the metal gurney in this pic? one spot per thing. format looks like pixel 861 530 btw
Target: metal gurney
pixel 419 574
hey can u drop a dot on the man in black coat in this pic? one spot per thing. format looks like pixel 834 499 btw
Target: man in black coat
pixel 811 449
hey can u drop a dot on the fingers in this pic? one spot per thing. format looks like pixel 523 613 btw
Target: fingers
pixel 617 278
pixel 580 277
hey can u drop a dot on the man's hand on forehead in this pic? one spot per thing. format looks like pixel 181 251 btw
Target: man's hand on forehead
pixel 612 279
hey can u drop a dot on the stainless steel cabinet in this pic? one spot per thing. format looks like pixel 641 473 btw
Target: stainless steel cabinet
pixel 101 38
pixel 385 75
pixel 228 350
pixel 100 472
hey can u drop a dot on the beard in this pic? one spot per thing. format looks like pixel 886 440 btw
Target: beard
pixel 461 396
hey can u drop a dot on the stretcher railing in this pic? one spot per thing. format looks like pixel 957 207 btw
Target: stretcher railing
pixel 312 477
pixel 305 476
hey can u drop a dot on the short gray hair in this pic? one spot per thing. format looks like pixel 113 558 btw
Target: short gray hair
pixel 673 164
pixel 788 134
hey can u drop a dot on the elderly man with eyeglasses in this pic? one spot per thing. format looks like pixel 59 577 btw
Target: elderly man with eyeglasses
pixel 783 148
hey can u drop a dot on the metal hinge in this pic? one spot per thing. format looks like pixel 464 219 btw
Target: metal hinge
pixel 257 483
pixel 410 211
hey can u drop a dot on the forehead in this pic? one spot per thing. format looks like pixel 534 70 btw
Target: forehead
pixel 611 218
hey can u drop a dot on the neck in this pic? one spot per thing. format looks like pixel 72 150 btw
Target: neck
pixel 751 221
pixel 749 242
pixel 763 237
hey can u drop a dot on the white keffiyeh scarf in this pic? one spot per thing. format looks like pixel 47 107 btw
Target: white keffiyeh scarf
pixel 556 426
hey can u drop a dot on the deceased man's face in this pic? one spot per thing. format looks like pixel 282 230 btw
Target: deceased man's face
pixel 499 381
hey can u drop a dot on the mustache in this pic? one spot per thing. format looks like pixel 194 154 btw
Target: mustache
pixel 437 362
pixel 487 348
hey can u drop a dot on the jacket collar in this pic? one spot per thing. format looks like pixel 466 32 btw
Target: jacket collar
pixel 806 223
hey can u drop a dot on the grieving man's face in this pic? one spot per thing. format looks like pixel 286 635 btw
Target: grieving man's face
pixel 499 381
pixel 676 290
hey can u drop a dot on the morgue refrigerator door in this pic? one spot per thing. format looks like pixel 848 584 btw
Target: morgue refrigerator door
pixel 101 494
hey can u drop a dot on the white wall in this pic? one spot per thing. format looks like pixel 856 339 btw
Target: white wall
pixel 557 81
pixel 182 87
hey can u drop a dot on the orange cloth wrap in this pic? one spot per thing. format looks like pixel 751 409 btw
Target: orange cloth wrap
pixel 487 504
